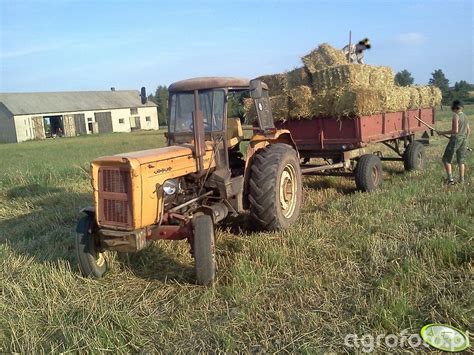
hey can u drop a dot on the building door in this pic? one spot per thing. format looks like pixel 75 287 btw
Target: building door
pixel 80 123
pixel 69 126
pixel 135 123
pixel 38 127
pixel 104 121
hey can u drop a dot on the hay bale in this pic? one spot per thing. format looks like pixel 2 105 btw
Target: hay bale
pixel 360 101
pixel 436 96
pixel 425 96
pixel 298 77
pixel 299 102
pixel 395 99
pixel 322 57
pixel 353 75
pixel 279 105
pixel 323 104
pixel 381 76
pixel 277 83
pixel 414 102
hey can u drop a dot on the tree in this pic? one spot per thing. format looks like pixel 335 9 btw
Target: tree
pixel 235 103
pixel 404 78
pixel 439 80
pixel 461 91
pixel 161 100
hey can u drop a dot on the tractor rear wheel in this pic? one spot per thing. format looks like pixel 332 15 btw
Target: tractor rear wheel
pixel 368 173
pixel 203 249
pixel 414 156
pixel 92 261
pixel 275 186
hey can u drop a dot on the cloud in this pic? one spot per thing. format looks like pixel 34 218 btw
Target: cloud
pixel 411 38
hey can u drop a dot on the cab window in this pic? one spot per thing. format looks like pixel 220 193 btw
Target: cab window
pixel 211 103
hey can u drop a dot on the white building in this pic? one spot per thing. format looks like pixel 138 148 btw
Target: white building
pixel 24 116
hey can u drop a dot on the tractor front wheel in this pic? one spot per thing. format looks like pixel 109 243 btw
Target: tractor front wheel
pixel 92 261
pixel 203 249
pixel 275 186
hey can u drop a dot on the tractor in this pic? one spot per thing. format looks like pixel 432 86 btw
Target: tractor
pixel 181 191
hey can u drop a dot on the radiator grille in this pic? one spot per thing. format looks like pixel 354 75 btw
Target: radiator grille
pixel 115 211
pixel 114 197
pixel 115 180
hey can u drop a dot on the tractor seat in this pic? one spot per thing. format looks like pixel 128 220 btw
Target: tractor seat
pixel 235 133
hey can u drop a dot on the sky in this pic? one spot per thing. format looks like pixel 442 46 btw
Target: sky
pixel 68 45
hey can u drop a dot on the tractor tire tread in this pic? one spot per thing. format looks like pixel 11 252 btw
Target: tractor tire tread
pixel 262 184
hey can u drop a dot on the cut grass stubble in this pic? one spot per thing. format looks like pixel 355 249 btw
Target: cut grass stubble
pixel 354 263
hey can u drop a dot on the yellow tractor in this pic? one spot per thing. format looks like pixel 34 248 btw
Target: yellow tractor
pixel 181 191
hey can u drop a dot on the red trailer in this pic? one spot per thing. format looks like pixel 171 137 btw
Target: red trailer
pixel 348 145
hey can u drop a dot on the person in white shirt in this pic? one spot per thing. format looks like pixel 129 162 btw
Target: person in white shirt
pixel 355 52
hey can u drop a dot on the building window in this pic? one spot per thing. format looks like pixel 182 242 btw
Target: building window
pixel 148 118
pixel 121 120
pixel 133 111
pixel 89 119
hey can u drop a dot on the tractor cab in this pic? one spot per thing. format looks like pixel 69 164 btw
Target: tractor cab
pixel 200 114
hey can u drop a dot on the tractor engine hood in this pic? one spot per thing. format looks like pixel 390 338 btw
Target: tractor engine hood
pixel 128 192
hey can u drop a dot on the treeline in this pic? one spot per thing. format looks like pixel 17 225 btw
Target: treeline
pixel 461 90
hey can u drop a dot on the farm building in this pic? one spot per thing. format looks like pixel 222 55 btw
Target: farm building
pixel 26 116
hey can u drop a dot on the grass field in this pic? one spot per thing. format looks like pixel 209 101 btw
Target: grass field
pixel 354 263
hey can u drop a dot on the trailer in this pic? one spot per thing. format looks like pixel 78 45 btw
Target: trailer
pixel 351 147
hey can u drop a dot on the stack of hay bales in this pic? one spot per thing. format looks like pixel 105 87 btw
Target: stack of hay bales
pixel 327 86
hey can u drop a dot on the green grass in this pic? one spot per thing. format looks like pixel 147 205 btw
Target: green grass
pixel 354 263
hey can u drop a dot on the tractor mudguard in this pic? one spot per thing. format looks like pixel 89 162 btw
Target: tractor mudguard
pixel 83 223
pixel 279 136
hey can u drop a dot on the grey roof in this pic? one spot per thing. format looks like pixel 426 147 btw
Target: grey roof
pixel 69 101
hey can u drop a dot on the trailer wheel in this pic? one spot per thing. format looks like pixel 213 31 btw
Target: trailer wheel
pixel 368 173
pixel 203 249
pixel 414 156
pixel 275 186
pixel 92 261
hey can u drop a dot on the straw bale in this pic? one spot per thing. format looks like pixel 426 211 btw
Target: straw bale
pixel 323 104
pixel 395 99
pixel 298 77
pixel 277 83
pixel 322 57
pixel 279 105
pixel 358 102
pixel 414 97
pixel 299 102
pixel 425 96
pixel 436 96
pixel 353 75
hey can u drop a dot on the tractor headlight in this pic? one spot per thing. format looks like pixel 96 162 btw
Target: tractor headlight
pixel 170 187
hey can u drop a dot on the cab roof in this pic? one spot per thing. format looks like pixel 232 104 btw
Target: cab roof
pixel 211 82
